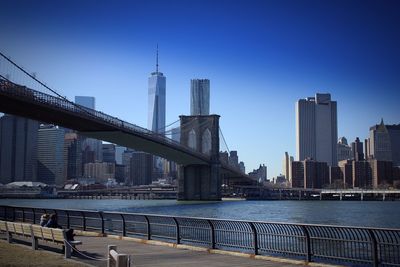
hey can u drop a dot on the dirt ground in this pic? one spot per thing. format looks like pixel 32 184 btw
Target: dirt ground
pixel 21 255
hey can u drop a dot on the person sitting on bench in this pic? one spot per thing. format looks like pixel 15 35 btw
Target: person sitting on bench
pixel 53 223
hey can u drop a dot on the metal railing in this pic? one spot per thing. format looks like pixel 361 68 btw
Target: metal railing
pixel 323 243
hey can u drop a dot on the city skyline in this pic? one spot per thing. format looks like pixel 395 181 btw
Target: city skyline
pixel 259 64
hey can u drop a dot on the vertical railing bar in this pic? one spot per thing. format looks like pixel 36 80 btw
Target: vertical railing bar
pixel 68 220
pixel 123 224
pixel 102 222
pixel 255 239
pixel 148 227
pixel 33 216
pixel 178 235
pixel 83 221
pixel 374 246
pixel 212 233
pixel 308 242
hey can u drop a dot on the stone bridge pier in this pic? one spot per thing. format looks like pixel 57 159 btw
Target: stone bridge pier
pixel 200 182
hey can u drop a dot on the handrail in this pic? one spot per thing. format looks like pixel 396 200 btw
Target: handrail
pixel 310 241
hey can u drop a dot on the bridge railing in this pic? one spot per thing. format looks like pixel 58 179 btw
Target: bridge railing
pixel 57 102
pixel 321 243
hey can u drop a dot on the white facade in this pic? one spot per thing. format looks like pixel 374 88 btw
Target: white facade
pixel 199 97
pixel 316 129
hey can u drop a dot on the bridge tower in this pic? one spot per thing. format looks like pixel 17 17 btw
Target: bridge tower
pixel 200 182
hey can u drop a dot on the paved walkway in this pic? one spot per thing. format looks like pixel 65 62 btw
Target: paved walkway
pixel 147 255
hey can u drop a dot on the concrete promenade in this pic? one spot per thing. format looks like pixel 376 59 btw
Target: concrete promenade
pixel 160 254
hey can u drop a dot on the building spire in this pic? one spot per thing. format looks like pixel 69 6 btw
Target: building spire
pixel 157 60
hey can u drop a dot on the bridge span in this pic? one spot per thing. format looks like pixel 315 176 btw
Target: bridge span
pixel 200 174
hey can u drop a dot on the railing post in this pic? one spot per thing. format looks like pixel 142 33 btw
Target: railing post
pixel 148 228
pixel 178 235
pixel 13 217
pixel 23 215
pixel 212 234
pixel 83 221
pixel 374 247
pixel 255 238
pixel 308 243
pixel 33 216
pixel 68 221
pixel 102 222
pixel 123 225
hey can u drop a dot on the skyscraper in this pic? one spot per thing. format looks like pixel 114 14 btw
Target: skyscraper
pixel 18 144
pixel 90 144
pixel 50 154
pixel 384 143
pixel 357 150
pixel 343 150
pixel 316 129
pixel 86 101
pixel 157 99
pixel 199 97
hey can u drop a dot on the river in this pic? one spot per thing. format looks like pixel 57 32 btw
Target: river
pixel 345 213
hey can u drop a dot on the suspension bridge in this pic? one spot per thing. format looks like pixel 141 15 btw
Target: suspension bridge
pixel 201 172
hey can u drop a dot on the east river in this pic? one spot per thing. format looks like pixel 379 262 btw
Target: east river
pixel 345 213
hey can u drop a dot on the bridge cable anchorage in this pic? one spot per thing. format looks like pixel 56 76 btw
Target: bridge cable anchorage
pixel 44 85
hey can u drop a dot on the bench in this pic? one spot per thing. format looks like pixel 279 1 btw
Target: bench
pixel 19 229
pixel 36 233
pixel 54 235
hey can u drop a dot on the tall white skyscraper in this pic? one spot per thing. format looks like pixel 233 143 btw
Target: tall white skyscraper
pixel 316 129
pixel 157 99
pixel 199 97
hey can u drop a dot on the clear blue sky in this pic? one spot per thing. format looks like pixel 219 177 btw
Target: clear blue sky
pixel 261 57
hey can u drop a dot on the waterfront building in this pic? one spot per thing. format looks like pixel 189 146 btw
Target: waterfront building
pixel 346 167
pixel 362 174
pixel 287 163
pixel 297 174
pixel 343 150
pixel 199 97
pixel 50 155
pixel 109 153
pixel 234 159
pixel 357 150
pixel 141 168
pixel 126 161
pixel 242 168
pixel 73 167
pixel 316 129
pixel 310 174
pixel 90 144
pixel 18 149
pixel 316 174
pixel 120 173
pixel 100 171
pixel 224 157
pixel 382 173
pixel 380 146
pixel 336 177
pixel 259 174
pixel 119 150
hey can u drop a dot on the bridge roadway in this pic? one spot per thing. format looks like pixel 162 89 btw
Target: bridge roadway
pixel 22 101
pixel 160 254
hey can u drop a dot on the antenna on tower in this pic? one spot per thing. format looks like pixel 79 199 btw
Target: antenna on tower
pixel 157 60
